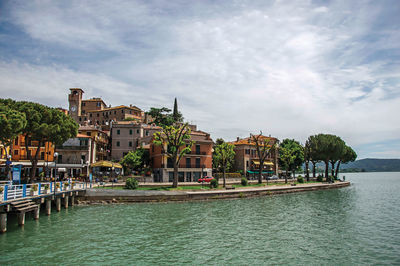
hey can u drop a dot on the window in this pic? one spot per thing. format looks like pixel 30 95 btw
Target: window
pixel 15 152
pixel 181 176
pixel 115 112
pixel 16 141
pixel 42 155
pixel 188 177
pixel 198 163
pixel 80 118
pixel 137 131
pixel 122 111
pixel 197 149
pixel 98 115
pixel 83 157
pixel 147 132
pixel 83 111
pixel 171 176
pixel 60 158
pixel 247 151
pixel 98 104
pixel 89 133
pixel 188 162
pixel 90 115
pixel 118 132
pixel 83 104
pixel 247 163
pixel 130 143
pixel 130 131
pixel 118 143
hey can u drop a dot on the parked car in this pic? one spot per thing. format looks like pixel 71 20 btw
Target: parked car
pixel 274 177
pixel 205 179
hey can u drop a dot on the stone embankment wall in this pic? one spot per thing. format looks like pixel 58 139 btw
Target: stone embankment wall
pixel 103 196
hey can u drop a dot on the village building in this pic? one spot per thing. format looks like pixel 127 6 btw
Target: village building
pixel 247 160
pixel 192 166
pixel 128 136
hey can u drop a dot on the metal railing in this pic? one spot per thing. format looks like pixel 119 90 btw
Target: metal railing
pixel 12 192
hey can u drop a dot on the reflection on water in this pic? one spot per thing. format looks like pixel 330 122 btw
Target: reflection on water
pixel 354 225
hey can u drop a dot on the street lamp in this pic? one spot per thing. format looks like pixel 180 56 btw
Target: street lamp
pixel 55 172
pixel 113 174
pixel 8 163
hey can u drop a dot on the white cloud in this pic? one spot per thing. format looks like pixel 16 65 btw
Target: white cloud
pixel 278 68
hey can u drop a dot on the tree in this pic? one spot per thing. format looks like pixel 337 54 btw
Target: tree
pixel 292 155
pixel 348 155
pixel 12 123
pixel 176 115
pixel 264 147
pixel 44 124
pixel 163 117
pixel 136 160
pixel 338 147
pixel 223 157
pixel 175 142
pixel 312 146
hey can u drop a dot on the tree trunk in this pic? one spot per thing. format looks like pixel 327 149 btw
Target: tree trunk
pixel 313 169
pixel 337 169
pixel 260 172
pixel 307 171
pixel 327 170
pixel 286 175
pixel 333 168
pixel 176 164
pixel 223 175
pixel 34 162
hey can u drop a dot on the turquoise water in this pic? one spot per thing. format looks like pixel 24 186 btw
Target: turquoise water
pixel 355 225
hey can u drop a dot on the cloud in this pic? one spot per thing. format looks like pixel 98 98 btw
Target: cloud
pixel 289 69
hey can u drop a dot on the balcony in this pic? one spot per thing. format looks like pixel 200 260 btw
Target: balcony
pixel 197 153
pixel 185 166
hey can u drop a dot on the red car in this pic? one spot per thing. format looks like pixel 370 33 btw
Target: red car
pixel 205 179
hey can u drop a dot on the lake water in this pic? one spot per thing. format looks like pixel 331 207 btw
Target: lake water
pixel 355 225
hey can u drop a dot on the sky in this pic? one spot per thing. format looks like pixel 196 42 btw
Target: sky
pixel 290 69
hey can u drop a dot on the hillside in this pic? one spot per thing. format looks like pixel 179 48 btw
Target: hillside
pixel 373 165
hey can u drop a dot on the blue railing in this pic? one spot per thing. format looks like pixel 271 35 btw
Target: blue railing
pixel 11 192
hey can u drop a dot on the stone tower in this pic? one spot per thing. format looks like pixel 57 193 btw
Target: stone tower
pixel 75 103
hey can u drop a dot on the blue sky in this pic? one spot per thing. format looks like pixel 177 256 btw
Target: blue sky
pixel 289 68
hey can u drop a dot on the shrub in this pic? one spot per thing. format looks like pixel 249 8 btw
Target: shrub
pixel 319 178
pixel 1 189
pixel 228 175
pixel 131 183
pixel 213 183
pixel 244 181
pixel 34 187
pixel 300 179
pixel 46 186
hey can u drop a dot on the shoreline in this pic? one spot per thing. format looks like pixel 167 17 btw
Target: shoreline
pixel 106 196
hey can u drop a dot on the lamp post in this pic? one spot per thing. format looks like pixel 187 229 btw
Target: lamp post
pixel 8 163
pixel 55 172
pixel 113 174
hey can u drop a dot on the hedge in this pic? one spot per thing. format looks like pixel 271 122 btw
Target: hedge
pixel 228 175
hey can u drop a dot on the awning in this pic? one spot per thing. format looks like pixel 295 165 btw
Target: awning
pixel 106 164
pixel 256 172
pixel 265 163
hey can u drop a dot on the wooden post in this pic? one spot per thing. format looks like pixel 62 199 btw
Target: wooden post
pixel 58 204
pixel 3 222
pixel 36 213
pixel 66 201
pixel 21 218
pixel 48 206
pixel 72 200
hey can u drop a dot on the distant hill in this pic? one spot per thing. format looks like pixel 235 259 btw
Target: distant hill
pixel 373 165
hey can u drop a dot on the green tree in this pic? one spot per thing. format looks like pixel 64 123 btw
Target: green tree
pixel 163 117
pixel 264 147
pixel 44 124
pixel 307 158
pixel 12 123
pixel 313 155
pixel 136 160
pixel 175 142
pixel 348 155
pixel 292 155
pixel 223 157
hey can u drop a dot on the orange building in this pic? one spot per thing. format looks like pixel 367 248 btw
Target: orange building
pixel 247 160
pixel 191 167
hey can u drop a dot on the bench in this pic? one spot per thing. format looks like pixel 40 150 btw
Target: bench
pixel 229 187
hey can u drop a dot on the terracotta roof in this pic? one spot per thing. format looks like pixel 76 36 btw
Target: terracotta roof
pixel 74 89
pixel 118 107
pixel 89 128
pixel 82 136
pixel 246 141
